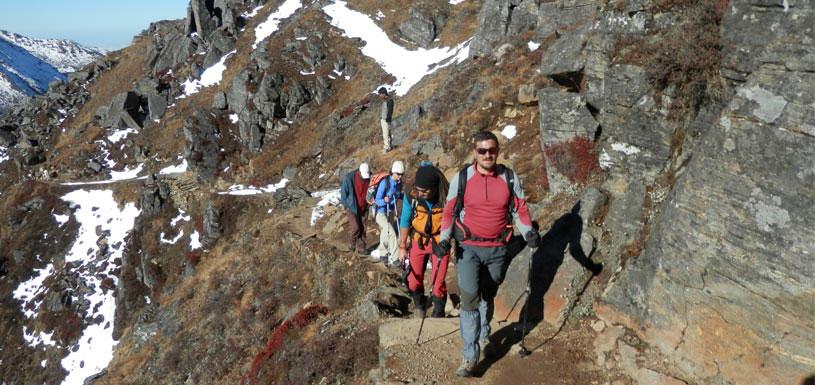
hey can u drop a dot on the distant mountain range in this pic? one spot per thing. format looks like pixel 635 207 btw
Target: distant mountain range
pixel 28 65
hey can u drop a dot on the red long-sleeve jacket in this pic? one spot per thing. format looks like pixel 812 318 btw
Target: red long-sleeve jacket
pixel 486 201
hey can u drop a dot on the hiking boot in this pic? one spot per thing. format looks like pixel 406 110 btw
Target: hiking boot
pixel 466 369
pixel 487 348
pixel 438 306
pixel 419 304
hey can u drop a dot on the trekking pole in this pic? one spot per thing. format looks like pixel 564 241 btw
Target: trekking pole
pixel 523 352
pixel 432 286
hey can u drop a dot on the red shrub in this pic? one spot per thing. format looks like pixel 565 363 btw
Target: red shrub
pixel 575 159
pixel 193 258
pixel 301 319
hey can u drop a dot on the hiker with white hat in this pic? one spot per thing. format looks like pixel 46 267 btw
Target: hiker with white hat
pixel 388 192
pixel 352 195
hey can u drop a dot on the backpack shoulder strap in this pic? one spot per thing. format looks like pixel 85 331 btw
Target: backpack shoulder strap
pixel 462 184
pixel 510 177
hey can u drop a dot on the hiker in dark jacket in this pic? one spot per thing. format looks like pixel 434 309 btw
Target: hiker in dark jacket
pixel 385 118
pixel 483 225
pixel 420 222
pixel 352 195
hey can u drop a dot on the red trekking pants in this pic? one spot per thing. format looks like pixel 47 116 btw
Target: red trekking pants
pixel 418 261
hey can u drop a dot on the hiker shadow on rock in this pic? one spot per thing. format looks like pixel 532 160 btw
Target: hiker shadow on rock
pixel 564 235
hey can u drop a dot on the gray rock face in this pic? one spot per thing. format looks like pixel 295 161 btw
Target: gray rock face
pixel 746 45
pixel 564 115
pixel 170 47
pixel 727 270
pixel 153 196
pixel 492 24
pixel 402 125
pixel 566 125
pixel 124 111
pixel 564 14
pixel 566 54
pixel 201 149
pixel 422 26
pixel 213 229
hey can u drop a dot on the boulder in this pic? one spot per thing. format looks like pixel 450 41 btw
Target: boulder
pixel 202 149
pixel 527 94
pixel 566 54
pixel 219 101
pixel 213 228
pixel 124 111
pixel 156 105
pixel 422 26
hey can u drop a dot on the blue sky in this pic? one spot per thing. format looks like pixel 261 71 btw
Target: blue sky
pixel 109 24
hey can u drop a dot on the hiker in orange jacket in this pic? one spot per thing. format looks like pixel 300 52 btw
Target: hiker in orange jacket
pixel 420 223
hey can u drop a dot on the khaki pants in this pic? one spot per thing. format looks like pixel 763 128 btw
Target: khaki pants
pixel 388 242
pixel 386 134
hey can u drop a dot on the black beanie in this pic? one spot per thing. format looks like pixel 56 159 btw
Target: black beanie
pixel 427 178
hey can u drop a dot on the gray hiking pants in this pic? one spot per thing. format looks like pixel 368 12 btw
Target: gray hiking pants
pixel 480 271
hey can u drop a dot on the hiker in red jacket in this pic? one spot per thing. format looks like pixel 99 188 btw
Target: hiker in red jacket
pixel 352 195
pixel 481 217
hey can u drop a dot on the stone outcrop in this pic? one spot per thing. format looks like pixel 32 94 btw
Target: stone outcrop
pixel 422 26
pixel 202 148
pixel 725 278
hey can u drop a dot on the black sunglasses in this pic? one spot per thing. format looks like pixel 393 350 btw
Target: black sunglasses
pixel 483 151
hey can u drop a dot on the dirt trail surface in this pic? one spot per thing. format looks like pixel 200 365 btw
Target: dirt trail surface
pixel 565 359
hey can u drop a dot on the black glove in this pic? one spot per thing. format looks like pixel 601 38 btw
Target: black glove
pixel 442 248
pixel 533 239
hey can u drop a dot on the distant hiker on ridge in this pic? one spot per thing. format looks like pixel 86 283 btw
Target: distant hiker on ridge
pixel 484 200
pixel 385 118
pixel 420 224
pixel 352 195
pixel 388 192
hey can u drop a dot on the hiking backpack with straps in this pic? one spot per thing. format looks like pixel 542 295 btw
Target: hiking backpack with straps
pixel 462 232
pixel 430 229
pixel 373 185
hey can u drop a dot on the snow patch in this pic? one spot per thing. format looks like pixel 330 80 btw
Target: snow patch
pixel 118 135
pixel 96 209
pixel 329 197
pixel 239 189
pixel 171 241
pixel 181 168
pixel 605 161
pixel 61 219
pixel 210 77
pixel 182 216
pixel 625 148
pixel 408 66
pixel 250 14
pixel 27 290
pixel 270 26
pixel 34 339
pixel 509 131
pixel 195 240
pixel 454 2
pixel 533 45
pixel 3 154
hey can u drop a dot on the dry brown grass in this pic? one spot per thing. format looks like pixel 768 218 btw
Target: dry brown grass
pixel 685 56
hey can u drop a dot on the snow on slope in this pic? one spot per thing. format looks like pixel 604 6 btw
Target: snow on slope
pixel 28 65
pixel 28 73
pixel 64 55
